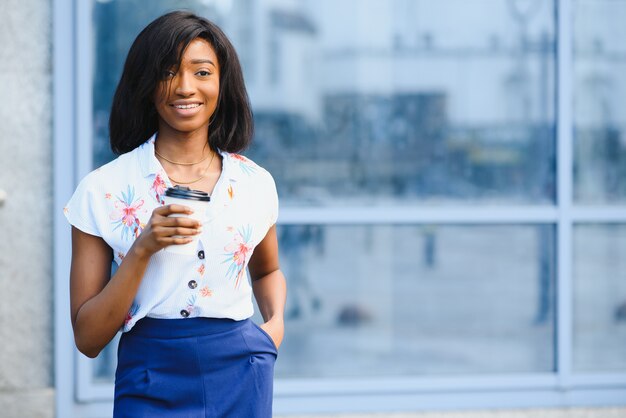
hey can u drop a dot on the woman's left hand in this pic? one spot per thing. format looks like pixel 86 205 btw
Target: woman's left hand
pixel 275 327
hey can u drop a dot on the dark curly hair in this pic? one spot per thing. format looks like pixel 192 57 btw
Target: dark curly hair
pixel 159 47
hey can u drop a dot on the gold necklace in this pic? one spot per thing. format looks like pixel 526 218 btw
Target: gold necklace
pixel 199 178
pixel 177 163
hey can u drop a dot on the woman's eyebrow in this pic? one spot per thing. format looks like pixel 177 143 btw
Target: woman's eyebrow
pixel 202 61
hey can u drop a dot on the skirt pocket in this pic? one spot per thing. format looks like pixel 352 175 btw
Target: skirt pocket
pixel 261 359
pixel 131 386
pixel 266 335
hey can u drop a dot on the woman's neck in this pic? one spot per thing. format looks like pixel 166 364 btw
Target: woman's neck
pixel 183 147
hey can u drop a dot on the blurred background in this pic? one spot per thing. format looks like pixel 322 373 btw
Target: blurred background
pixel 452 180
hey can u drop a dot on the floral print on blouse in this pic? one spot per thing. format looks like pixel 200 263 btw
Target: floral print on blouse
pixel 125 216
pixel 238 253
pixel 116 201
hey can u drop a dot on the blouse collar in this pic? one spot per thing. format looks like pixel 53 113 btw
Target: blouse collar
pixel 150 165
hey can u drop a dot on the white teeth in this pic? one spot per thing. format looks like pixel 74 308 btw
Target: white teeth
pixel 189 106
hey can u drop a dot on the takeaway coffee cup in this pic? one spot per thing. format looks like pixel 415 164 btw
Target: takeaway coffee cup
pixel 197 200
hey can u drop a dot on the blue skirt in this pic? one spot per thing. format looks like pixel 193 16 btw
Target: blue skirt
pixel 194 368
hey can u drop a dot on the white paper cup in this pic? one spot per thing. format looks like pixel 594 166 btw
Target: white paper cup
pixel 199 208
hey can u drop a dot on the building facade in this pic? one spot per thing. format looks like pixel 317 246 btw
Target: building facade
pixel 452 193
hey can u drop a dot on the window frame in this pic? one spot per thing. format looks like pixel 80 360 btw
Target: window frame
pixel 78 396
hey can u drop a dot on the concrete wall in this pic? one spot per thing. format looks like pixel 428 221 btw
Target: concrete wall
pixel 26 337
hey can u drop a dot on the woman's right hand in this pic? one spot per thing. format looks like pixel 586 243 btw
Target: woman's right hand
pixel 160 230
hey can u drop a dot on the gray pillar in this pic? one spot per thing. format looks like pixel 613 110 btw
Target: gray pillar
pixel 26 293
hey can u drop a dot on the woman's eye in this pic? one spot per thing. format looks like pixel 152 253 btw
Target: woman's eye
pixel 203 73
pixel 168 74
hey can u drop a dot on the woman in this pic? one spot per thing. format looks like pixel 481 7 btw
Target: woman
pixel 188 348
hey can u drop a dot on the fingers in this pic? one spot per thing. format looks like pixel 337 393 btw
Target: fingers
pixel 171 225
pixel 167 210
pixel 167 241
pixel 175 231
pixel 180 221
pixel 161 217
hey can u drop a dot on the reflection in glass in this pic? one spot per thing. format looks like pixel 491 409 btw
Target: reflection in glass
pixel 600 298
pixel 400 102
pixel 388 100
pixel 599 111
pixel 367 301
pixel 407 101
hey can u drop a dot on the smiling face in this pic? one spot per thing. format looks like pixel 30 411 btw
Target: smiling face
pixel 187 96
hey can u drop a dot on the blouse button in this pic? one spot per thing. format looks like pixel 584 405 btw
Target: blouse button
pixel 192 284
pixel 184 313
pixel 201 255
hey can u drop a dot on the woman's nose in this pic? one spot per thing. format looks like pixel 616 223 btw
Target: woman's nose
pixel 184 85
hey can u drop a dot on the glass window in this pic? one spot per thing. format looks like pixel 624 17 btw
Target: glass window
pixel 600 298
pixel 599 111
pixel 380 103
pixel 405 300
pixel 409 300
pixel 411 101
pixel 385 100
pixel 414 103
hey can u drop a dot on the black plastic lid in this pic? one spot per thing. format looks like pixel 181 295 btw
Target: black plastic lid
pixel 182 192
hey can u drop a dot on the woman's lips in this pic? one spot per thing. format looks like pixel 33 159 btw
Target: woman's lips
pixel 186 110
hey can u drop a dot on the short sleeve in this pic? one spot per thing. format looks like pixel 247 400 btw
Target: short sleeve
pixel 272 199
pixel 81 210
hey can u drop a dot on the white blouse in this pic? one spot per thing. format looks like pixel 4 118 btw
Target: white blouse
pixel 116 201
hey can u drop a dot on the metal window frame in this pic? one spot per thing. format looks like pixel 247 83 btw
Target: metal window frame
pixel 63 181
pixel 78 396
pixel 565 166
